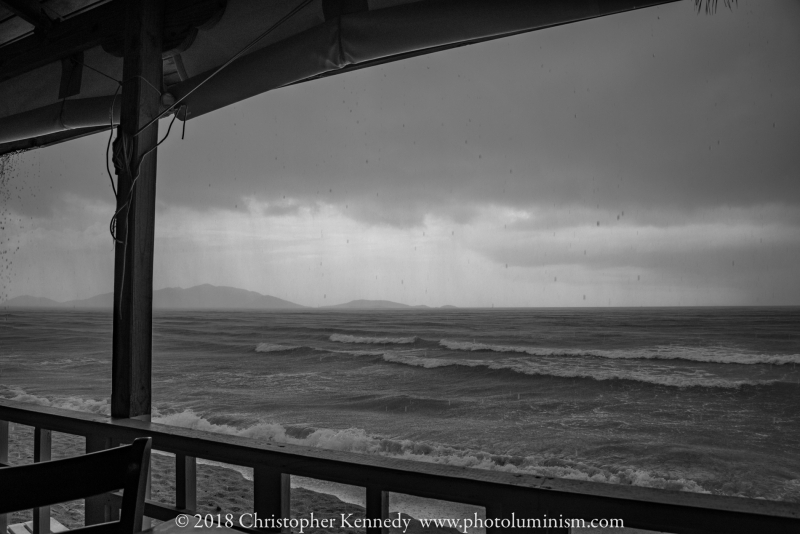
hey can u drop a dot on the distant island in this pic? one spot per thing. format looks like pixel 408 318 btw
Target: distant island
pixel 204 297
pixel 362 304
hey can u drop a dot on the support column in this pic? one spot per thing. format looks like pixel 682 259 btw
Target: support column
pixel 3 463
pixel 185 482
pixel 95 509
pixel 377 508
pixel 135 222
pixel 271 495
pixel 42 452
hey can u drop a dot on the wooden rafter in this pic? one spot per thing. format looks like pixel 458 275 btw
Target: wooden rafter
pixel 72 35
pixel 30 11
pixel 102 25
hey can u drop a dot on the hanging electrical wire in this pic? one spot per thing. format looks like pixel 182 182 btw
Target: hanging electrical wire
pixel 175 106
pixel 711 5
pixel 124 140
pixel 233 58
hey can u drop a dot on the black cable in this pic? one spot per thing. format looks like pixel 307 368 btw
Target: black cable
pixel 101 73
pixel 185 111
pixel 124 141
pixel 236 56
pixel 110 135
pixel 138 172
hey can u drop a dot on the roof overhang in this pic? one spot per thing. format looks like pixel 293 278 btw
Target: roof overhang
pixel 59 75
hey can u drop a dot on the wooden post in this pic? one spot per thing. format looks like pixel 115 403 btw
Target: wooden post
pixel 271 495
pixel 494 511
pixel 95 509
pixel 42 448
pixel 517 511
pixel 185 482
pixel 135 223
pixel 3 462
pixel 3 444
pixel 377 507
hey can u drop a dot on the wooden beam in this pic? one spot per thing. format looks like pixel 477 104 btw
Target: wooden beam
pixel 185 482
pixel 104 25
pixel 50 139
pixel 30 11
pixel 95 509
pixel 3 445
pixel 135 162
pixel 271 494
pixel 42 449
pixel 3 463
pixel 72 35
pixel 377 507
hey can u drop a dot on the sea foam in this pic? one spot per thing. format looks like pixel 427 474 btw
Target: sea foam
pixel 346 338
pixel 358 440
pixel 667 352
pixel 671 377
pixel 274 347
pixel 79 404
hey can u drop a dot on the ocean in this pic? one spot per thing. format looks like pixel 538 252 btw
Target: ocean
pixel 692 399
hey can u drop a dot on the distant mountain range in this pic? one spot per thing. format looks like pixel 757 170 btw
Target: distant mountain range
pixel 373 305
pixel 203 297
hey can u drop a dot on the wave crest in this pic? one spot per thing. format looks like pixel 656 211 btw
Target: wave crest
pixel 346 338
pixel 674 378
pixel 274 347
pixel 78 404
pixel 670 352
pixel 358 440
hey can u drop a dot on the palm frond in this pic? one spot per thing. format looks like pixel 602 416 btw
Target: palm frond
pixel 711 5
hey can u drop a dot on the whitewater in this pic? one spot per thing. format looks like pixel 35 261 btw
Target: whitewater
pixel 700 400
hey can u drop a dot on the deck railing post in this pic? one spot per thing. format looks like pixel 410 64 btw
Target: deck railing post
pixel 185 482
pixel 517 511
pixel 377 507
pixel 3 462
pixel 42 449
pixel 95 508
pixel 494 511
pixel 271 495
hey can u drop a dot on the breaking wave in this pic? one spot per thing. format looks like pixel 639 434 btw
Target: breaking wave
pixel 346 338
pixel 562 369
pixel 70 362
pixel 274 347
pixel 79 404
pixel 695 354
pixel 359 441
pixel 355 352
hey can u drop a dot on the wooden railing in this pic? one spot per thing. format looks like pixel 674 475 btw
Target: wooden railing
pixel 502 494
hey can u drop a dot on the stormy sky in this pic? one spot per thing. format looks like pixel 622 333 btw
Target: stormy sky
pixel 650 158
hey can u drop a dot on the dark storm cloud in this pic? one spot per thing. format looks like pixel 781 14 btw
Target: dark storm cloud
pixel 659 108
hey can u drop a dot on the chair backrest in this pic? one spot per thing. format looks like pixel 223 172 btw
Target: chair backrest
pixel 42 484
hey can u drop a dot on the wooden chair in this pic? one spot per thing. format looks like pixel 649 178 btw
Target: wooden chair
pixel 42 484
